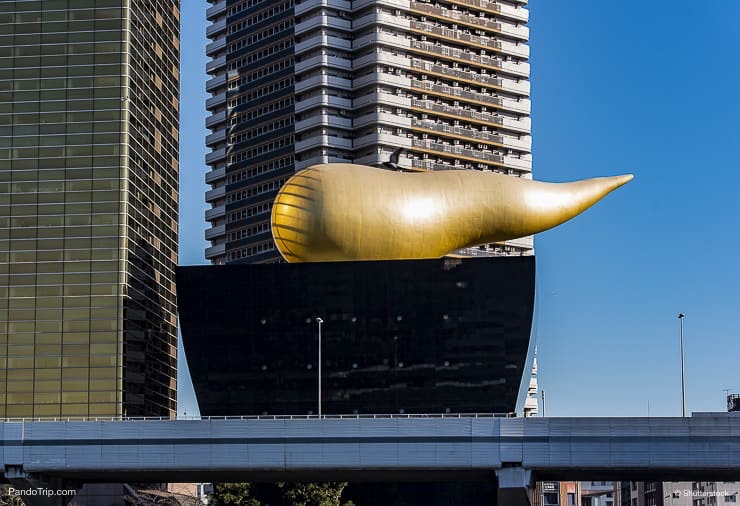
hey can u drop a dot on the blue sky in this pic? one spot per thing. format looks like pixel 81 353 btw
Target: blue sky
pixel 649 88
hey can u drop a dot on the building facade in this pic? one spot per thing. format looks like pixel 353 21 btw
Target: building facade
pixel 403 336
pixel 300 82
pixel 653 493
pixel 88 207
pixel 557 493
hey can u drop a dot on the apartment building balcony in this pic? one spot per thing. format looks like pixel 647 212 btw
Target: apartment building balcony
pixel 474 155
pixel 216 46
pixel 477 23
pixel 214 232
pixel 460 36
pixel 381 78
pixel 323 80
pixel 381 98
pixel 322 60
pixel 216 82
pixel 379 18
pixel 216 193
pixel 314 160
pixel 459 55
pixel 457 132
pixel 215 119
pixel 214 66
pixel 380 38
pixel 518 106
pixel 521 125
pixel 524 143
pixel 215 212
pixel 322 40
pixel 216 9
pixel 214 251
pixel 520 69
pixel 304 6
pixel 393 4
pixel 499 9
pixel 214 175
pixel 323 141
pixel 383 139
pixel 323 120
pixel 215 156
pixel 455 92
pixel 322 100
pixel 521 164
pixel 457 112
pixel 216 137
pixel 214 29
pixel 382 118
pixel 456 74
pixel 323 21
pixel 216 101
pixel 382 58
pixel 422 164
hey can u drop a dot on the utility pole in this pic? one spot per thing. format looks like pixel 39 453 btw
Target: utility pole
pixel 319 321
pixel 681 316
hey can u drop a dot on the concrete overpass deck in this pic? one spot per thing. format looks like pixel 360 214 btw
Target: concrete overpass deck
pixel 514 451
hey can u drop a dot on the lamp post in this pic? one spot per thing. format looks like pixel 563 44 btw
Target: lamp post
pixel 319 321
pixel 543 403
pixel 681 316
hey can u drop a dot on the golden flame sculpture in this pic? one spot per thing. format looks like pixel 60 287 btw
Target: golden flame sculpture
pixel 340 212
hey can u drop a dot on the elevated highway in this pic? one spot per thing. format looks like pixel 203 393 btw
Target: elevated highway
pixel 513 451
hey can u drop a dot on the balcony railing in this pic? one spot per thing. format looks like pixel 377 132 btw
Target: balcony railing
pixel 519 106
pixel 520 88
pixel 521 51
pixel 449 110
pixel 452 91
pixel 456 74
pixel 475 22
pixel 502 10
pixel 458 131
pixel 455 54
pixel 459 151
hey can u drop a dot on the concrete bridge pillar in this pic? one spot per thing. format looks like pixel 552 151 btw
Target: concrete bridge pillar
pixel 515 486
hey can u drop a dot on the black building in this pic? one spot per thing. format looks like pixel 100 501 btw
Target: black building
pixel 425 336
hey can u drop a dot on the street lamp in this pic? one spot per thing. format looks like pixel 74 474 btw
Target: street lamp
pixel 319 321
pixel 681 316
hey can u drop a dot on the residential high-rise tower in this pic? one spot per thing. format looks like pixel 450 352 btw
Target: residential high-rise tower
pixel 88 207
pixel 295 83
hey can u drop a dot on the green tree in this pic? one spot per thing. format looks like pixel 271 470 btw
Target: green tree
pixel 233 494
pixel 313 494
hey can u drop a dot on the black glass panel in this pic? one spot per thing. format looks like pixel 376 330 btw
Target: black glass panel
pixel 427 336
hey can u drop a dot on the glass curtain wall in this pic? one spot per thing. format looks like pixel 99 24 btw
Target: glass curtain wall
pixel 68 211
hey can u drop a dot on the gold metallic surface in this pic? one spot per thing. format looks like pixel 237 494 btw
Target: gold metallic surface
pixel 341 212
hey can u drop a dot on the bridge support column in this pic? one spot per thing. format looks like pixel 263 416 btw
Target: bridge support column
pixel 36 491
pixel 515 486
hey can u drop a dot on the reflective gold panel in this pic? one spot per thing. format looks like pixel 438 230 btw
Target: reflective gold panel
pixel 341 212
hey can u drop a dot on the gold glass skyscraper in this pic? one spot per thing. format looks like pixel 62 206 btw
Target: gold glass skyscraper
pixel 88 207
